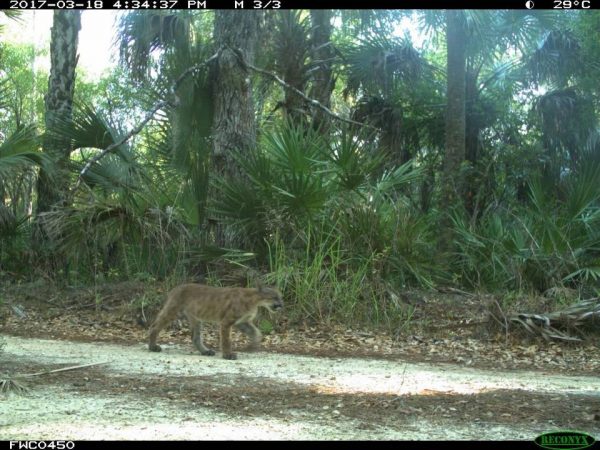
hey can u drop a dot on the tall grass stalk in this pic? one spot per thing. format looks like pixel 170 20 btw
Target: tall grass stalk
pixel 326 285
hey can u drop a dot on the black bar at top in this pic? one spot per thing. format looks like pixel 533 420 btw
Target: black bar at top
pixel 125 5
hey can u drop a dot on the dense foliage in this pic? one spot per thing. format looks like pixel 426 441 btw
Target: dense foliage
pixel 343 217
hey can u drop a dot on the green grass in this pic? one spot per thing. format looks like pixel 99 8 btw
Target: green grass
pixel 325 284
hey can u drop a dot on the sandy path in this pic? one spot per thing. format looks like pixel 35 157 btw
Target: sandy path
pixel 58 411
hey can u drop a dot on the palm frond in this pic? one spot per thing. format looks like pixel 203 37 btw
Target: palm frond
pixel 243 208
pixel 89 129
pixel 379 64
pixel 89 132
pixel 295 148
pixel 20 151
pixel 292 47
pixel 357 22
pixel 567 121
pixel 10 223
pixel 301 194
pixel 582 190
pixel 142 34
pixel 383 113
pixel 354 160
pixel 392 180
pixel 557 58
pixel 191 125
pixel 503 76
pixel 12 14
pixel 519 29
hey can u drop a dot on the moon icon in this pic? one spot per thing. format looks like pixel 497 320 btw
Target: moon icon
pixel 529 4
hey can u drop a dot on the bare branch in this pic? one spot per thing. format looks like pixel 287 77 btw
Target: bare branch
pixel 174 101
pixel 155 108
pixel 63 369
pixel 310 101
pixel 158 105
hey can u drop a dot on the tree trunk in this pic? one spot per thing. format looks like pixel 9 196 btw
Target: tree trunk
pixel 59 105
pixel 391 136
pixel 52 187
pixel 472 131
pixel 455 121
pixel 455 113
pixel 322 54
pixel 234 125
pixel 292 52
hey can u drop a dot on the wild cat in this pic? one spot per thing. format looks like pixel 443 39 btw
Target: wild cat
pixel 229 306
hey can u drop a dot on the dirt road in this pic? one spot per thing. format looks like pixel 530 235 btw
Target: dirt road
pixel 178 394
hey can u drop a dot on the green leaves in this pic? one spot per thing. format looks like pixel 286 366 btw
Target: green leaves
pixel 20 151
pixel 284 181
pixel 354 160
pixel 243 206
pixel 10 14
pixel 557 58
pixel 299 191
pixel 296 178
pixel 551 241
pixel 379 65
pixel 141 34
pixel 88 128
pixel 90 131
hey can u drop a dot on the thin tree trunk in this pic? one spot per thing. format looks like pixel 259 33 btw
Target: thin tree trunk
pixel 455 119
pixel 472 130
pixel 322 53
pixel 291 60
pixel 455 113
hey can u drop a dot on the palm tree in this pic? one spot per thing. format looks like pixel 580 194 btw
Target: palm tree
pixel 19 155
pixel 234 127
pixel 494 47
pixel 455 110
pixel 322 55
pixel 381 72
pixel 52 186
pixel 565 113
pixel 181 144
pixel 291 51
pixel 59 102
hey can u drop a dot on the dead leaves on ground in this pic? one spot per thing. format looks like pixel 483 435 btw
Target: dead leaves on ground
pixel 455 338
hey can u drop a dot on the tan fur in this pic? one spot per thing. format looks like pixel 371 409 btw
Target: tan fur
pixel 229 306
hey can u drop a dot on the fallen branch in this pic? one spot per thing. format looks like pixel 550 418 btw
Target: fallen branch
pixel 552 325
pixel 63 369
pixel 15 384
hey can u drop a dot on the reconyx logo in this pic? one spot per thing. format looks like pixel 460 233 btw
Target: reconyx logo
pixel 564 440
